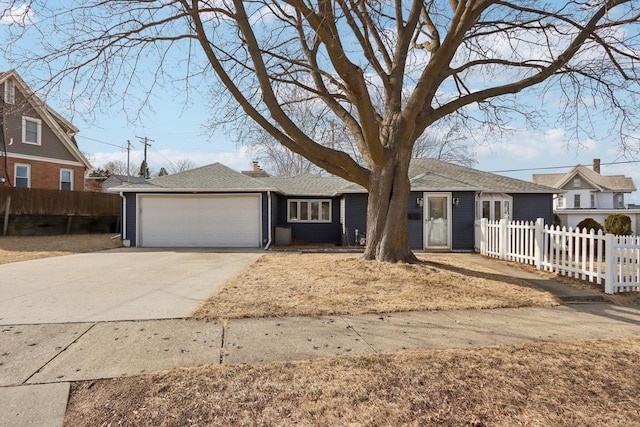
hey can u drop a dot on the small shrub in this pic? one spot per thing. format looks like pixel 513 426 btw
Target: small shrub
pixel 557 222
pixel 618 224
pixel 590 223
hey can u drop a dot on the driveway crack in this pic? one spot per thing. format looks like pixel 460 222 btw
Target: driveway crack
pixel 222 341
pixel 60 352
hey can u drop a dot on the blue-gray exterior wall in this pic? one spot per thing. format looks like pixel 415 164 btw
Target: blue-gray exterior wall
pixel 529 207
pixel 415 221
pixel 130 220
pixel 312 232
pixel 463 218
pixel 355 217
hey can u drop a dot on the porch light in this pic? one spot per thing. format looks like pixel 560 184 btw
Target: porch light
pixel 420 201
pixel 456 201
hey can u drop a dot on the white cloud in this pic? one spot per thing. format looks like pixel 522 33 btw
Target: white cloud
pixel 16 15
pixel 238 160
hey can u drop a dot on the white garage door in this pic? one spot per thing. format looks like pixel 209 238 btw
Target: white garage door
pixel 199 220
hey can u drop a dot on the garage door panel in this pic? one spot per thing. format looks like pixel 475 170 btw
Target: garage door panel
pixel 199 221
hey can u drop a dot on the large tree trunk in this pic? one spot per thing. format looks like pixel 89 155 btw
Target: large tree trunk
pixel 389 189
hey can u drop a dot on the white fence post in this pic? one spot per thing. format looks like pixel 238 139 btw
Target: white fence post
pixel 611 263
pixel 503 239
pixel 537 243
pixel 484 225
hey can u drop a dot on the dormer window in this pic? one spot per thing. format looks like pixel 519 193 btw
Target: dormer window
pixel 576 182
pixel 9 92
pixel 31 131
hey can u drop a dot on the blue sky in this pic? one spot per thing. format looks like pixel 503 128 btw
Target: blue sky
pixel 178 130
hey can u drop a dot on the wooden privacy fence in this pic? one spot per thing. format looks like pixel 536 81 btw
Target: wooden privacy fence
pixel 36 211
pixel 582 254
pixel 35 201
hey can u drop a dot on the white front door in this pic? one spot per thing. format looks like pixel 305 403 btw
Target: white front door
pixel 437 214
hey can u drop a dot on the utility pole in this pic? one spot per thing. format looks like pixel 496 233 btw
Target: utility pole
pixel 145 141
pixel 128 161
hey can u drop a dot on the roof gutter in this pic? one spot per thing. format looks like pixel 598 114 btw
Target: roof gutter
pixel 269 220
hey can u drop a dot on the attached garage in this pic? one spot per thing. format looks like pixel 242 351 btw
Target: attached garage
pixel 199 220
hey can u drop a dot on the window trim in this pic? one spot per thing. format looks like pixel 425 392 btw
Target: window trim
pixel 15 174
pixel 310 202
pixel 9 92
pixel 492 198
pixel 38 122
pixel 70 179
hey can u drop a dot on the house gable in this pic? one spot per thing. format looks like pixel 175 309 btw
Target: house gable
pixel 55 140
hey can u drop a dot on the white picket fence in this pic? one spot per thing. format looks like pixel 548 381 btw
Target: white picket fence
pixel 586 255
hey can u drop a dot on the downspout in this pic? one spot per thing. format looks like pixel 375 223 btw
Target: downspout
pixel 269 220
pixel 124 216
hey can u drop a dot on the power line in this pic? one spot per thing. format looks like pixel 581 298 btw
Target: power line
pixel 561 167
pixel 101 142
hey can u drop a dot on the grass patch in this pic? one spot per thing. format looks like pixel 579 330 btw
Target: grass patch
pixel 24 248
pixel 593 383
pixel 323 284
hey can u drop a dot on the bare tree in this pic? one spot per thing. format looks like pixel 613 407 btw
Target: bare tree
pixel 117 167
pixel 181 165
pixel 426 60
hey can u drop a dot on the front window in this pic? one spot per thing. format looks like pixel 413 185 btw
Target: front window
pixel 66 179
pixel 22 176
pixel 494 207
pixel 31 131
pixel 309 211
pixel 9 92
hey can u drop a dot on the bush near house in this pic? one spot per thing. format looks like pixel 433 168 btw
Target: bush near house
pixel 557 222
pixel 618 224
pixel 590 223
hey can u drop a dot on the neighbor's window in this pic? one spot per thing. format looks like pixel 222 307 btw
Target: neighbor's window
pixel 309 211
pixel 619 201
pixel 576 201
pixel 576 182
pixel 593 200
pixel 66 179
pixel 494 207
pixel 9 92
pixel 560 201
pixel 31 131
pixel 22 176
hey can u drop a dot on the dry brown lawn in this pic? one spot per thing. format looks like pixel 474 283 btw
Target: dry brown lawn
pixel 321 284
pixel 23 248
pixel 587 383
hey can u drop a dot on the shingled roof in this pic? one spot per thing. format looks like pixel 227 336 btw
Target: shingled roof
pixel 614 183
pixel 215 177
pixel 425 175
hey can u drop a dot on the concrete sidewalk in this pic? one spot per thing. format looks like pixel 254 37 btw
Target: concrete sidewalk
pixel 38 362
pixel 40 371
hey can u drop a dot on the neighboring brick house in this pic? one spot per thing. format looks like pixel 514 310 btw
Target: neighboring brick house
pixel 37 146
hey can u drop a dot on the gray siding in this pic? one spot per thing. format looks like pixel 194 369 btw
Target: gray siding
pixel 355 217
pixel 529 207
pixel 131 218
pixel 312 232
pixel 51 146
pixel 415 221
pixel 462 220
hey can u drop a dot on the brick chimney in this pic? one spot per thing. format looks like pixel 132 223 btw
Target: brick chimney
pixel 596 165
pixel 256 167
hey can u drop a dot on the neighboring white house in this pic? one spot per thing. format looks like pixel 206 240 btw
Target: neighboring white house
pixel 588 194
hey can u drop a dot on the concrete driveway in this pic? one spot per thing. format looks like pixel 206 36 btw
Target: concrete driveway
pixel 120 284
